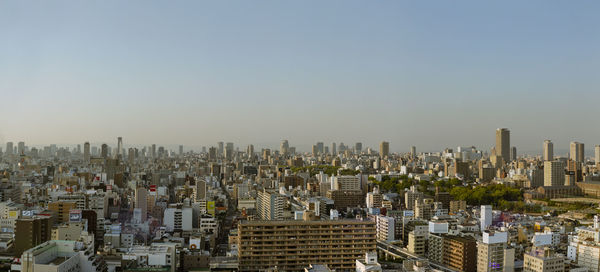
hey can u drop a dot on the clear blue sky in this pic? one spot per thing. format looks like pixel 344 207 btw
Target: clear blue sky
pixel 433 74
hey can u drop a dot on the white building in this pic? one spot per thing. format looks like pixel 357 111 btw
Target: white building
pixel 178 219
pixel 486 217
pixel 369 263
pixel 385 228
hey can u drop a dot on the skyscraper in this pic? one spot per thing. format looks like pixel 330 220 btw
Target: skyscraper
pixel 597 154
pixel 554 173
pixel 250 151
pixel 180 150
pixel 384 149
pixel 86 152
pixel 21 148
pixel 221 148
pixel 228 151
pixel 153 151
pixel 513 153
pixel 119 147
pixel 104 151
pixel 358 148
pixel 503 143
pixel 333 149
pixel 284 147
pixel 577 152
pixel 141 201
pixel 486 217
pixel 320 147
pixel 548 150
pixel 9 148
pixel 413 151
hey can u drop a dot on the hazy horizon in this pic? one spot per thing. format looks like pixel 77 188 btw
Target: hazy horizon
pixel 432 74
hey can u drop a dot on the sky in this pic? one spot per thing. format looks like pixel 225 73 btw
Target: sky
pixel 432 74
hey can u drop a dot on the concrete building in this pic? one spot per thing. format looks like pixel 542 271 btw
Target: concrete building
pixel 542 260
pixel 30 232
pixel 417 239
pixel 63 256
pixel 141 202
pixel 503 144
pixel 386 228
pixel 384 149
pixel 292 245
pixel 269 205
pixel 548 151
pixel 460 253
pixel 158 255
pixel 178 219
pixel 554 173
pixel 577 152
pixel 492 253
pixel 369 263
pixel 86 152
pixel 485 220
pixel 61 210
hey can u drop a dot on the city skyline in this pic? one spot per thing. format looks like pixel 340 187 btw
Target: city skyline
pixel 405 73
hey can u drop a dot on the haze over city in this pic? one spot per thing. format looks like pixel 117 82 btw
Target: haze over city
pixel 431 74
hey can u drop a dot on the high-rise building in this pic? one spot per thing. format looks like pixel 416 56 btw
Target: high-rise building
pixel 577 152
pixel 212 153
pixel 30 232
pixel 86 152
pixel 21 148
pixel 180 150
pixel 333 149
pixel 513 153
pixel 104 152
pixel 384 149
pixel 141 201
pixel 9 148
pixel 320 148
pixel 200 191
pixel 486 217
pixel 221 147
pixel 61 210
pixel 386 230
pixel 358 147
pixel 269 205
pixel 153 151
pixel 119 147
pixel 131 155
pixel 492 255
pixel 315 150
pixel 263 245
pixel 284 147
pixel 228 151
pixel 460 253
pixel 554 173
pixel 413 151
pixel 597 154
pixel 548 151
pixel 250 151
pixel 503 144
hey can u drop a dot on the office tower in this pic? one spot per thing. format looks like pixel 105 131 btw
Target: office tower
pixel 284 147
pixel 131 155
pixel 220 146
pixel 104 152
pixel 413 151
pixel 333 149
pixel 384 149
pixel 9 148
pixel 180 150
pixel 61 210
pixel 410 196
pixel 542 260
pixel 460 253
pixel 119 147
pixel 141 201
pixel 266 153
pixel 269 205
pixel 345 183
pixel 554 173
pixel 78 149
pixel 228 151
pixel 597 154
pixel 200 190
pixel 486 217
pixel 315 150
pixel 548 151
pixel 503 144
pixel 86 152
pixel 320 147
pixel 491 252
pixel 153 151
pixel 577 152
pixel 250 151
pixel 358 147
pixel 212 153
pixel 513 153
pixel 266 244
pixel 30 232
pixel 21 148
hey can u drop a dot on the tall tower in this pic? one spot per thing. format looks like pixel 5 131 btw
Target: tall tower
pixel 21 148
pixel 413 151
pixel 180 150
pixel 384 149
pixel 577 152
pixel 597 154
pixel 141 201
pixel 119 147
pixel 333 149
pixel 503 143
pixel 104 151
pixel 358 148
pixel 554 173
pixel 284 147
pixel 86 152
pixel 548 150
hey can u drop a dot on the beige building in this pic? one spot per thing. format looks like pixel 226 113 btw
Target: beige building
pixel 543 260
pixel 384 149
pixel 417 239
pixel 548 151
pixel 292 245
pixel 577 152
pixel 493 254
pixel 554 173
